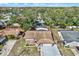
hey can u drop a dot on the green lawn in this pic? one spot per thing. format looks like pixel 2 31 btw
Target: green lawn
pixel 76 29
pixel 1 46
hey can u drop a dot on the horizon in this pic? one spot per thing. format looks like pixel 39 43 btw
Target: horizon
pixel 39 4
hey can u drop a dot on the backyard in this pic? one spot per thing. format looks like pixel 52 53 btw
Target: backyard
pixel 30 51
pixel 20 48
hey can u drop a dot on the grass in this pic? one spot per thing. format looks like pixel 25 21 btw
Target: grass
pixel 30 51
pixel 63 50
pixel 2 18
pixel 10 37
pixel 20 48
pixel 17 47
pixel 76 29
pixel 1 46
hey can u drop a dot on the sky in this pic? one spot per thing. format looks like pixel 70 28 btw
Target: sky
pixel 39 4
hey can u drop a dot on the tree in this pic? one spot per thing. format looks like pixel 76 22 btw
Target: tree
pixel 26 23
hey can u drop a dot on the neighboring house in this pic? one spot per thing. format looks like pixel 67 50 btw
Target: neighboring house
pixel 70 27
pixel 39 25
pixel 39 37
pixel 7 18
pixel 10 31
pixel 70 38
pixel 40 28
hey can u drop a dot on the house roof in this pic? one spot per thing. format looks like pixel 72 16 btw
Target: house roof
pixel 70 36
pixel 39 36
pixel 10 31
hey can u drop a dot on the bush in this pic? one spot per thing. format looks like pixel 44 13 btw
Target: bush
pixel 9 37
pixel 67 46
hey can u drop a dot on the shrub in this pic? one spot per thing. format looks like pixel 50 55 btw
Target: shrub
pixel 9 37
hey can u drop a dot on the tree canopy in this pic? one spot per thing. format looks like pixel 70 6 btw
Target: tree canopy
pixel 53 16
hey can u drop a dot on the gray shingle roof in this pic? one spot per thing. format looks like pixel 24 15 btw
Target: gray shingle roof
pixel 70 36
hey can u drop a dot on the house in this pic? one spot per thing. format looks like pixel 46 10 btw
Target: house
pixel 39 37
pixel 70 38
pixel 40 28
pixel 10 31
pixel 39 25
pixel 70 27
